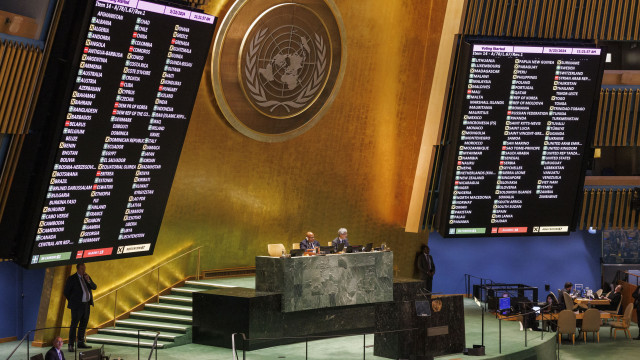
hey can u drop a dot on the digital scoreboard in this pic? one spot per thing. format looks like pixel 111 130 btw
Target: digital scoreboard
pixel 120 135
pixel 522 120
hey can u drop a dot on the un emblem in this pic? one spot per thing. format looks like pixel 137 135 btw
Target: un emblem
pixel 276 80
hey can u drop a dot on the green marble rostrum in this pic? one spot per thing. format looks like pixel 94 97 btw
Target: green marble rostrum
pixel 314 282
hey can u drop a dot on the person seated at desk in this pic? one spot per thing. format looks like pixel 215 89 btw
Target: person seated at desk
pixel 309 242
pixel 567 289
pixel 551 308
pixel 614 299
pixel 341 239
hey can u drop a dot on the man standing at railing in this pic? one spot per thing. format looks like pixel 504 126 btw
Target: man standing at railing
pixel 77 290
pixel 427 268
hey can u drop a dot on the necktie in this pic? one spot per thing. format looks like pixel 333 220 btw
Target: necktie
pixel 85 292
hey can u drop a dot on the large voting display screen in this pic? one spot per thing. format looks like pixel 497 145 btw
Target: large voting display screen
pixel 137 73
pixel 521 123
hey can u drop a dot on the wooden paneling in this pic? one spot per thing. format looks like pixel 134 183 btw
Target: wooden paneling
pixel 617 123
pixel 19 66
pixel 557 19
pixel 608 208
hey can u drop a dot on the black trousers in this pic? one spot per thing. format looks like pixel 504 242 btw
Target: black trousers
pixel 428 283
pixel 79 319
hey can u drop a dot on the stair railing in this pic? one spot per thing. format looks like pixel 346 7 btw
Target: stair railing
pixel 156 268
pixel 154 347
pixel 26 336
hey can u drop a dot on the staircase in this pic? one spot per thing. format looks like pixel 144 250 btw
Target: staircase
pixel 172 317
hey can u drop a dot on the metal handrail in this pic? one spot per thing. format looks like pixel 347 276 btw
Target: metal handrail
pixel 154 269
pixel 154 346
pixel 307 338
pixel 26 336
pixel 483 281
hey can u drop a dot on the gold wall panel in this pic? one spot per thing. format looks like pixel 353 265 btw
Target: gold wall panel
pixel 354 168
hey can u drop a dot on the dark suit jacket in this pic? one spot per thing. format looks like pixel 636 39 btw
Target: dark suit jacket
pixel 53 355
pixel 73 291
pixel 306 244
pixel 615 300
pixel 336 241
pixel 423 266
pixel 636 296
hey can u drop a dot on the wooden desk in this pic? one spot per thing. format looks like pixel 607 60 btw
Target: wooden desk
pixel 579 316
pixel 592 302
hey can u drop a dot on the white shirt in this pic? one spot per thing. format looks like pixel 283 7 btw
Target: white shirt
pixel 86 296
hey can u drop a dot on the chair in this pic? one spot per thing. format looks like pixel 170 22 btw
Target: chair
pixel 599 293
pixel 567 325
pixel 37 357
pixel 295 246
pixel 591 323
pixel 568 302
pixel 275 250
pixel 614 313
pixel 622 324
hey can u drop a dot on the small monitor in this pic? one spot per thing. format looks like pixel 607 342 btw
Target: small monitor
pixel 296 252
pixel 423 308
pixel 326 249
pixel 368 247
pixel 578 289
pixel 93 354
pixel 356 248
pixel 340 247
pixel 504 303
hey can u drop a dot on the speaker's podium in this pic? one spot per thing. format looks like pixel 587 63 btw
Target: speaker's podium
pixel 438 320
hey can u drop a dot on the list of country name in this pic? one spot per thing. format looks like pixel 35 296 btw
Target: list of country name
pixel 125 110
pixel 522 129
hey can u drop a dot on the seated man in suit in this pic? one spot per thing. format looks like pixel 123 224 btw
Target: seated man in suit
pixel 341 239
pixel 614 299
pixel 567 289
pixel 55 353
pixel 309 242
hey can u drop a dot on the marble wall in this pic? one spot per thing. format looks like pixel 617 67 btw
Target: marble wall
pixel 221 312
pixel 440 333
pixel 315 282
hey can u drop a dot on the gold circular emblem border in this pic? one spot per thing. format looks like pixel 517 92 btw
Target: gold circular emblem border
pixel 242 48
pixel 221 99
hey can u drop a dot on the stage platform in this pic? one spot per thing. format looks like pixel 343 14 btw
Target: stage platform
pixel 351 347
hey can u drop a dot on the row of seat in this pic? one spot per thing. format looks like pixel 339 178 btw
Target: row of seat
pixel 591 323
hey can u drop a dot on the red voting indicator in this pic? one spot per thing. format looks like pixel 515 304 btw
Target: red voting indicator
pixel 111 134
